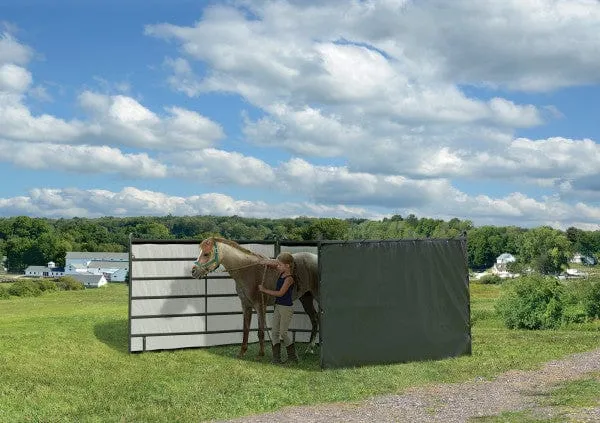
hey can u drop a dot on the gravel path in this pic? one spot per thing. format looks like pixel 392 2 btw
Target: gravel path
pixel 455 402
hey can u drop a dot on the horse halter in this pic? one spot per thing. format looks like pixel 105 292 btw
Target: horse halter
pixel 205 267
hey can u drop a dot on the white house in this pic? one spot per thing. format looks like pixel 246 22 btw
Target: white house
pixel 89 280
pixel 500 268
pixel 113 271
pixel 48 271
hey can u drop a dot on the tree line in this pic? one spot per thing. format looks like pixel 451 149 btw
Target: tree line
pixel 35 241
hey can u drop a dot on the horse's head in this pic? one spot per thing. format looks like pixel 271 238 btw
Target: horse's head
pixel 208 260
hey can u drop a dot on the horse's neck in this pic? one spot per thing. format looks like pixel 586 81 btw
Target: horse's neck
pixel 233 259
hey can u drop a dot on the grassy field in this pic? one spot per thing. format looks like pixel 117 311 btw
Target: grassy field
pixel 64 358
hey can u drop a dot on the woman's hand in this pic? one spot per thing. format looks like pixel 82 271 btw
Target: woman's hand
pixel 271 263
pixel 261 288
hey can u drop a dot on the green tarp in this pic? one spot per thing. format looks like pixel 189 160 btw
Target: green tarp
pixel 393 301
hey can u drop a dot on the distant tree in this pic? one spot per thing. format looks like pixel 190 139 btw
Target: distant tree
pixel 16 254
pixel 484 245
pixel 546 249
pixel 327 229
pixel 151 230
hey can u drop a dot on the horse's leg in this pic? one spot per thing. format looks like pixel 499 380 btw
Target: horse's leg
pixel 261 329
pixel 307 303
pixel 247 319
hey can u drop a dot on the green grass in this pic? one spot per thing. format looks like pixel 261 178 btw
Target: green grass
pixel 567 397
pixel 517 417
pixel 64 358
pixel 578 393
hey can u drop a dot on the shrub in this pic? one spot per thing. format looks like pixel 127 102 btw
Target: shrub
pixel 68 283
pixel 574 313
pixel 586 294
pixel 46 285
pixel 4 293
pixel 490 280
pixel 25 288
pixel 531 302
pixel 591 299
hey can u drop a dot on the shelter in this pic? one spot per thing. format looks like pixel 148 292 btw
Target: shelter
pixel 381 301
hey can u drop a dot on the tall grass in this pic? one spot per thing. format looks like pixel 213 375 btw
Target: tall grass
pixel 64 358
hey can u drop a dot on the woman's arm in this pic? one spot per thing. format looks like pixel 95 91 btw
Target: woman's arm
pixel 284 288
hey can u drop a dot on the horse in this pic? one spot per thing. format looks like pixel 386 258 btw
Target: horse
pixel 248 270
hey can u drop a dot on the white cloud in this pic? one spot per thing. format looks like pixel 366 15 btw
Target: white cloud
pixel 17 123
pixel 131 201
pixel 218 167
pixel 82 159
pixel 113 120
pixel 183 78
pixel 40 93
pixel 332 185
pixel 307 132
pixel 513 209
pixel 14 79
pixel 13 52
pixel 269 63
pixel 123 120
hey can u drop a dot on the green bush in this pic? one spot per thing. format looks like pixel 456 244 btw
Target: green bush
pixel 69 283
pixel 585 293
pixel 46 285
pixel 490 280
pixel 25 288
pixel 591 299
pixel 531 302
pixel 574 313
pixel 4 293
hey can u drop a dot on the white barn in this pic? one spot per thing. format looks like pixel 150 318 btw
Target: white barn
pixel 90 281
pixel 113 266
pixel 48 271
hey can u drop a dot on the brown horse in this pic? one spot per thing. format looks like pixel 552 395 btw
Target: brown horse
pixel 248 270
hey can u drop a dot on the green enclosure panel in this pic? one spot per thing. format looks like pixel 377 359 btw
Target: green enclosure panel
pixel 393 301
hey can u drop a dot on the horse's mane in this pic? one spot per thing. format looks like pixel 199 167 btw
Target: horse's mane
pixel 234 245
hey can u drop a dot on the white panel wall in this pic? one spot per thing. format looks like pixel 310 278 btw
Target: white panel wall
pixel 154 307
pixel 151 251
pixel 164 288
pixel 169 309
pixel 299 248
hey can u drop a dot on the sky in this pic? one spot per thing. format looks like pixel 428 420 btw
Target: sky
pixel 483 110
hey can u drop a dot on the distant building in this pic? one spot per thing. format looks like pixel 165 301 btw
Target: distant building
pixel 114 266
pixel 89 280
pixel 500 268
pixel 83 259
pixel 48 271
pixel 583 259
pixel 113 271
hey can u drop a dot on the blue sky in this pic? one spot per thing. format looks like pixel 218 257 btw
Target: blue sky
pixel 484 111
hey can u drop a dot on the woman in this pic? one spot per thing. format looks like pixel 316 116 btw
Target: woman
pixel 282 315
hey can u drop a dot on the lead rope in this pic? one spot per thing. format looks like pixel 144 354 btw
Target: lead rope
pixel 264 305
